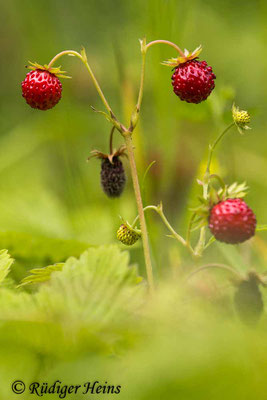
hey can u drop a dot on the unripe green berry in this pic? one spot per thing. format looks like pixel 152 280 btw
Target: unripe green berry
pixel 241 118
pixel 127 235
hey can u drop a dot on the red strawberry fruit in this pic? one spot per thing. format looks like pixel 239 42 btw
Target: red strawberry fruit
pixel 232 221
pixel 193 81
pixel 41 89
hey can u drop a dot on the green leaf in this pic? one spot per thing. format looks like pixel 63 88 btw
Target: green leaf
pixel 40 274
pixel 5 263
pixel 97 286
pixel 103 113
pixel 81 308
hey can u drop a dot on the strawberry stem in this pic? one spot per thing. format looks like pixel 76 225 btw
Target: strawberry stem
pixel 168 43
pixel 141 215
pixel 208 266
pixel 136 112
pixel 160 212
pixel 214 144
pixel 111 140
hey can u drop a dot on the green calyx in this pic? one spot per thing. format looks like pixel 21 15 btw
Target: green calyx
pixel 188 56
pixel 53 70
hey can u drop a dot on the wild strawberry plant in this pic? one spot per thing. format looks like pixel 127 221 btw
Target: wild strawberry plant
pixel 221 209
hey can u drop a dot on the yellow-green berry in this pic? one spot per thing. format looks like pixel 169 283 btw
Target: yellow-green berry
pixel 241 118
pixel 127 235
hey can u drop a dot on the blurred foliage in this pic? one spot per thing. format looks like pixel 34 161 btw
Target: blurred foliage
pixel 52 206
pixel 93 321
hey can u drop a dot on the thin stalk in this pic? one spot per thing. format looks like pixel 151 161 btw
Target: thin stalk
pixel 95 82
pixel 214 144
pixel 208 266
pixel 141 89
pixel 160 212
pixel 168 43
pixel 136 112
pixel 111 140
pixel 130 150
pixel 168 225
pixel 64 53
pixel 201 242
pixel 202 237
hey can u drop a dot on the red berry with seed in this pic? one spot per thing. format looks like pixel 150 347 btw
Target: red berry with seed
pixel 41 89
pixel 193 81
pixel 232 221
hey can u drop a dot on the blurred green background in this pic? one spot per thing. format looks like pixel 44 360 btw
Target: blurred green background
pixel 52 205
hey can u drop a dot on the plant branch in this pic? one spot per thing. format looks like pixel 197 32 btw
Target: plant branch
pixel 111 140
pixel 136 112
pixel 214 144
pixel 160 212
pixel 168 43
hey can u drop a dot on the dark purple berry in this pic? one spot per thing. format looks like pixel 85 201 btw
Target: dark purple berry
pixel 112 177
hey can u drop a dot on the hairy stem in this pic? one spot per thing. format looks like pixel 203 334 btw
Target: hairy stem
pixel 141 89
pixel 168 43
pixel 214 144
pixel 64 53
pixel 168 225
pixel 160 212
pixel 136 112
pixel 130 150
pixel 111 140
